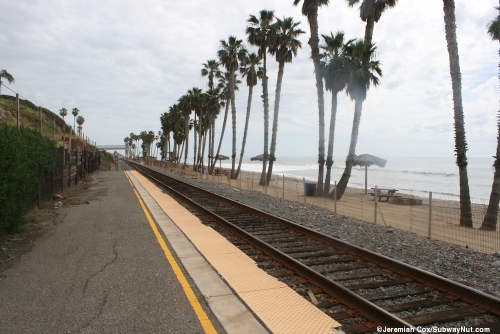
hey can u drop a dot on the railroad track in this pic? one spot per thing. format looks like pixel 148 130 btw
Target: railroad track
pixel 357 287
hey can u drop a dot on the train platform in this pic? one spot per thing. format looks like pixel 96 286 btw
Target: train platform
pixel 134 260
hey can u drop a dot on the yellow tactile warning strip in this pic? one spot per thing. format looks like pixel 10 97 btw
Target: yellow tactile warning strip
pixel 195 304
pixel 279 307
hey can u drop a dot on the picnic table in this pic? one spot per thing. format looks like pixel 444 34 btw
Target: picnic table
pixel 387 193
pixel 219 171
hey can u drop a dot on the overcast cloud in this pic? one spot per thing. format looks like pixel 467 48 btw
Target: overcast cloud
pixel 123 63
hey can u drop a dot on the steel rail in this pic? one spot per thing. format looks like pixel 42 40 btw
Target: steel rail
pixel 468 294
pixel 376 314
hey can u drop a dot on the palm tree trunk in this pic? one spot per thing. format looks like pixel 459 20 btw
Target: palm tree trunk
pixel 200 137
pixel 203 151
pixel 342 185
pixel 182 150
pixel 490 219
pixel 233 114
pixel 186 139
pixel 312 17
pixel 166 148
pixel 194 141
pixel 370 25
pixel 221 134
pixel 175 150
pixel 212 142
pixel 249 105
pixel 265 99
pixel 460 141
pixel 209 160
pixel 331 134
pixel 281 69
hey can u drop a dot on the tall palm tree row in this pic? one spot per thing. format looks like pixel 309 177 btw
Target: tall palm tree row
pixel 458 112
pixel 491 217
pixel 359 76
pixel 310 9
pixel 231 52
pixel 284 46
pixel 258 34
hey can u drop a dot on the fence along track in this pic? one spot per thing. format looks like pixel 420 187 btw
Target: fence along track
pixel 345 278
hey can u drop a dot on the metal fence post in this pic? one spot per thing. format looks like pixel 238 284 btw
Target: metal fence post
pixel 376 204
pixel 18 112
pixel 69 165
pixel 283 186
pixel 335 197
pixel 40 118
pixel 430 214
pixel 252 178
pixel 304 187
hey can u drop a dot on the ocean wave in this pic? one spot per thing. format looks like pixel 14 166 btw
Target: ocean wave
pixel 428 173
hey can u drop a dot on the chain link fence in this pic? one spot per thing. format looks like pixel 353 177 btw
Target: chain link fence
pixel 432 215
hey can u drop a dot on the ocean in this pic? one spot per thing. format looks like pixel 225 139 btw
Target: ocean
pixel 409 175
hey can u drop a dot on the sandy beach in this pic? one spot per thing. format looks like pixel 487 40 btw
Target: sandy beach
pixel 443 223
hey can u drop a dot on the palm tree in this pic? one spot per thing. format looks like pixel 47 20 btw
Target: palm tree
pixel 63 112
pixel 335 83
pixel 7 76
pixel 490 219
pixel 310 9
pixel 360 75
pixel 456 84
pixel 284 45
pixel 230 52
pixel 211 69
pixel 214 100
pixel 194 96
pixel 258 32
pixel 185 107
pixel 75 113
pixel 126 140
pixel 80 120
pixel 224 87
pixel 370 12
pixel 250 69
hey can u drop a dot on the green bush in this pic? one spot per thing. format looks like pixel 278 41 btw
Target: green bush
pixel 106 157
pixel 25 157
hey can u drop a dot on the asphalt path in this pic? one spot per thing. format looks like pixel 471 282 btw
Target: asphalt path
pixel 99 270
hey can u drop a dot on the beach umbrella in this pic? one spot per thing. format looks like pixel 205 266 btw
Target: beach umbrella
pixel 368 160
pixel 260 157
pixel 221 157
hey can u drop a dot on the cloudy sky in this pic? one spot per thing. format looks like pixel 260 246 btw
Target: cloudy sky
pixel 123 63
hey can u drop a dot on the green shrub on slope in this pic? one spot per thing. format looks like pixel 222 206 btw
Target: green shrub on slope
pixel 25 157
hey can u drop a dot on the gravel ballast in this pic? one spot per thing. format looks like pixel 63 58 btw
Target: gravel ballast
pixel 463 265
